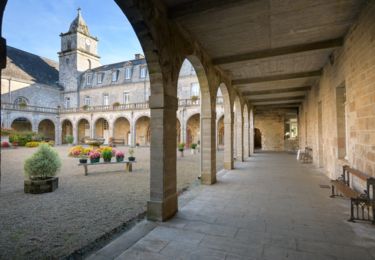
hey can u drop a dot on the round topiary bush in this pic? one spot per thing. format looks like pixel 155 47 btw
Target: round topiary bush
pixel 44 163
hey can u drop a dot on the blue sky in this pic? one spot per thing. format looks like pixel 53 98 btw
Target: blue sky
pixel 35 26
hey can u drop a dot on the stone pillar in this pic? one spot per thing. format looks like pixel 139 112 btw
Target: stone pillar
pixel 75 134
pixel 251 126
pixel 133 134
pixel 246 148
pixel 163 192
pixel 208 148
pixel 239 137
pixel 58 131
pixel 228 141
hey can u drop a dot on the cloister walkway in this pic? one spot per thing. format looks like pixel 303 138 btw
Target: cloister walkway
pixel 269 207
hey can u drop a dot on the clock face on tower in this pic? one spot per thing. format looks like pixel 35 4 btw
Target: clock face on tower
pixel 88 42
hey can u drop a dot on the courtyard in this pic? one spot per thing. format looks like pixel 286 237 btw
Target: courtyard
pixel 83 208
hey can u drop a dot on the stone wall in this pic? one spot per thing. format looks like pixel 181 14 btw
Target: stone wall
pixel 271 125
pixel 344 133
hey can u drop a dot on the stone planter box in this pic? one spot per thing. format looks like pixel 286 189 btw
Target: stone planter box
pixel 41 186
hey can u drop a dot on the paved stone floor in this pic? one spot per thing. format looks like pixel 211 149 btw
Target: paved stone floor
pixel 269 207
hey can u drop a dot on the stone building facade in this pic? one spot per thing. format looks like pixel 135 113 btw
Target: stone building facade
pixel 80 97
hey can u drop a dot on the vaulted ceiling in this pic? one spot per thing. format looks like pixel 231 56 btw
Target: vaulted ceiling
pixel 273 49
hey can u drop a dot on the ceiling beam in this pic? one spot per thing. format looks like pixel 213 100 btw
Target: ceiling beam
pixel 290 105
pixel 275 91
pixel 277 99
pixel 268 53
pixel 289 101
pixel 298 75
pixel 200 6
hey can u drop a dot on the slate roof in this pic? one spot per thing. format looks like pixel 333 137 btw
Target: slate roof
pixel 28 66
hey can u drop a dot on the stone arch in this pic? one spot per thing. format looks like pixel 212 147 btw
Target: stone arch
pixel 142 131
pixel 228 126
pixel 121 129
pixel 22 124
pixel 83 129
pixel 193 130
pixel 66 129
pixel 220 132
pixel 46 127
pixel 238 129
pixel 21 100
pixel 101 129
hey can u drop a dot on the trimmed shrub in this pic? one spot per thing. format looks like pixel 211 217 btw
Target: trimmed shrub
pixel 44 163
pixel 69 139
pixel 193 146
pixel 32 144
pixel 181 146
pixel 21 137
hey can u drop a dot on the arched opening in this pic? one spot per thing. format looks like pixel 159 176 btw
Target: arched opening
pixel 21 101
pixel 121 130
pixel 142 131
pixel 257 139
pixel 178 131
pixel 47 128
pixel 223 101
pixel 66 129
pixel 102 129
pixel 193 134
pixel 220 133
pixel 83 129
pixel 21 124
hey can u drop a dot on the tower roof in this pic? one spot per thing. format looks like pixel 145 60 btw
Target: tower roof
pixel 78 24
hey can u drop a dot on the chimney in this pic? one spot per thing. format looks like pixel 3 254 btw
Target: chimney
pixel 138 56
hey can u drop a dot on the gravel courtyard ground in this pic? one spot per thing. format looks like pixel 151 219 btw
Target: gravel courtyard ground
pixel 82 209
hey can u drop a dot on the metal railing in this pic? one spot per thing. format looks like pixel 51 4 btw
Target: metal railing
pixel 27 108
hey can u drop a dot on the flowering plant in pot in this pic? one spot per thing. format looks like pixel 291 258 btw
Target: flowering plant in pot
pixel 131 153
pixel 94 156
pixel 193 148
pixel 119 156
pixel 107 155
pixel 181 148
pixel 40 170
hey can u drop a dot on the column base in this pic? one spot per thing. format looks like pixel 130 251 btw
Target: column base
pixel 228 165
pixel 162 210
pixel 208 178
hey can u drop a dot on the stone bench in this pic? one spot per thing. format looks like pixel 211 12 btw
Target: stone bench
pixel 362 205
pixel 128 165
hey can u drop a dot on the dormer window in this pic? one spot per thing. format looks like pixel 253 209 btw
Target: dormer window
pixel 114 75
pixel 87 101
pixel 100 77
pixel 143 72
pixel 128 73
pixel 88 79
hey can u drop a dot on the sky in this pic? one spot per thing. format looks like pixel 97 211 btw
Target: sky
pixel 35 25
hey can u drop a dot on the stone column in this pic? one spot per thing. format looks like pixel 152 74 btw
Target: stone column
pixel 251 126
pixel 208 148
pixel 133 134
pixel 246 148
pixel 239 137
pixel 228 142
pixel 163 192
pixel 58 131
pixel 75 134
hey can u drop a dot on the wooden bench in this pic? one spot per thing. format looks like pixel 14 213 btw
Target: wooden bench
pixel 114 141
pixel 128 166
pixel 362 205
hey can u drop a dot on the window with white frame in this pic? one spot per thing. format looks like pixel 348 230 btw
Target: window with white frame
pixel 88 79
pixel 194 89
pixel 128 73
pixel 105 99
pixel 143 72
pixel 114 75
pixel 100 77
pixel 87 100
pixel 67 102
pixel 126 97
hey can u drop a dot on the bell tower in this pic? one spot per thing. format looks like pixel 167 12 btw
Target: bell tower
pixel 78 53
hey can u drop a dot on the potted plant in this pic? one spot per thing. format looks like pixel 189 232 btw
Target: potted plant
pixel 193 147
pixel 107 155
pixel 116 105
pixel 131 158
pixel 5 133
pixel 69 139
pixel 119 156
pixel 85 107
pixel 94 156
pixel 181 148
pixel 5 144
pixel 194 98
pixel 40 170
pixel 22 105
pixel 14 139
pixel 83 158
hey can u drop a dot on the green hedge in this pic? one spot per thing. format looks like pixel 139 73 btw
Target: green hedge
pixel 24 137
